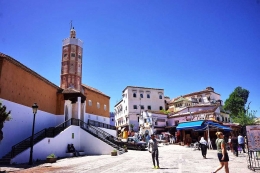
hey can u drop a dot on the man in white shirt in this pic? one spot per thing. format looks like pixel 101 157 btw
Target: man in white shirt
pixel 153 148
pixel 241 142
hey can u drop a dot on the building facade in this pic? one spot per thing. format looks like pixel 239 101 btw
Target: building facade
pixel 135 101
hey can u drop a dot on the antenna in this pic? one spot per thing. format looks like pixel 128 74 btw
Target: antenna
pixel 71 24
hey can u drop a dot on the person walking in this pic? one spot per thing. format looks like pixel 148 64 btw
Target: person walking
pixel 222 152
pixel 153 148
pixel 234 144
pixel 241 142
pixel 204 146
pixel 229 143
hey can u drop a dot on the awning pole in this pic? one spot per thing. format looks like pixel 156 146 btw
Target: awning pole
pixel 209 142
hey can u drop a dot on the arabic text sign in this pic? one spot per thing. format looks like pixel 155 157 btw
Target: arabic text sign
pixel 253 137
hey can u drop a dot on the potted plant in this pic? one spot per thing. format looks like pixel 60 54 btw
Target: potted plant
pixel 114 153
pixel 51 158
pixel 125 148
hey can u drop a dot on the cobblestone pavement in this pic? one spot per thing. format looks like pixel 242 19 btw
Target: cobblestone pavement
pixel 173 159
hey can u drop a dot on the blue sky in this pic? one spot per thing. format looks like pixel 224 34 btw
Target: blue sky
pixel 181 46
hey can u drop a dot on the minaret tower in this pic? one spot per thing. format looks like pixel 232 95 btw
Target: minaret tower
pixel 71 64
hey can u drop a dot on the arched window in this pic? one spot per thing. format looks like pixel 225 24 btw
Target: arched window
pixel 134 95
pixel 160 96
pixel 161 108
pixel 89 102
pixel 148 96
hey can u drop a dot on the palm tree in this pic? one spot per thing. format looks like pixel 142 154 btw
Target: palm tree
pixel 3 117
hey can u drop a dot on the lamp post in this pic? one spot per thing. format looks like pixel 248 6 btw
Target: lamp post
pixel 34 107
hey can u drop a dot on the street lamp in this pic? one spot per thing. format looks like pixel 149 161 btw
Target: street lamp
pixel 34 107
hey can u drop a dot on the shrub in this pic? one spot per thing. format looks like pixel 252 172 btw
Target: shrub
pixel 51 156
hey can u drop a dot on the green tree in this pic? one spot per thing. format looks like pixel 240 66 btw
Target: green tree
pixel 4 116
pixel 245 118
pixel 236 101
pixel 165 112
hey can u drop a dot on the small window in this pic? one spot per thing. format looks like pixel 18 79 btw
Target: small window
pixel 112 119
pixel 160 96
pixel 149 107
pixel 142 106
pixel 134 95
pixel 79 56
pixel 135 106
pixel 98 105
pixel 144 120
pixel 89 102
pixel 65 55
pixel 105 107
pixel 148 96
pixel 141 95
pixel 138 119
pixel 73 55
pixel 161 108
pixel 155 123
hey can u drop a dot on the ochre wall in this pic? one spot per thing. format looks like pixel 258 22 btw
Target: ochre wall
pixel 22 87
pixel 96 97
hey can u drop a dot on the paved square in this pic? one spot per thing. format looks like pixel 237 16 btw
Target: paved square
pixel 173 159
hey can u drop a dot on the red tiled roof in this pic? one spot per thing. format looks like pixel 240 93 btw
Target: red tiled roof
pixel 195 93
pixel 197 112
pixel 94 89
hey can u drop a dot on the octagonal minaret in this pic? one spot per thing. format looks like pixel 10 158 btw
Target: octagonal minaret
pixel 71 63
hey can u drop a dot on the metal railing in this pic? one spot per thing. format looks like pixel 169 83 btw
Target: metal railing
pixel 253 160
pixel 23 145
pixel 90 127
pixel 99 124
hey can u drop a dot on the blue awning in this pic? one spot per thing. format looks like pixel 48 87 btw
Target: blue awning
pixel 219 126
pixel 190 125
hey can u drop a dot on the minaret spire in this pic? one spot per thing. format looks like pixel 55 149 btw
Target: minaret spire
pixel 71 24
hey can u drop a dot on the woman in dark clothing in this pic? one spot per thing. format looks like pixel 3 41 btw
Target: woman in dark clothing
pixel 203 146
pixel 234 144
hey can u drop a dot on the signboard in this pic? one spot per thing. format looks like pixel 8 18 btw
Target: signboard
pixel 253 135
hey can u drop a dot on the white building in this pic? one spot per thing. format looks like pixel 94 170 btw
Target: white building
pixel 135 101
pixel 152 122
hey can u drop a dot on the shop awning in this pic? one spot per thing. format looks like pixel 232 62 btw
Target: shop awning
pixel 218 126
pixel 190 125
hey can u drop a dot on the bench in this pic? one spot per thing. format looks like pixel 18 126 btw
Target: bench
pixel 81 153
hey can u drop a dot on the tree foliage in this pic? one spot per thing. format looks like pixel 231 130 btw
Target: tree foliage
pixel 245 117
pixel 237 101
pixel 3 117
pixel 165 112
